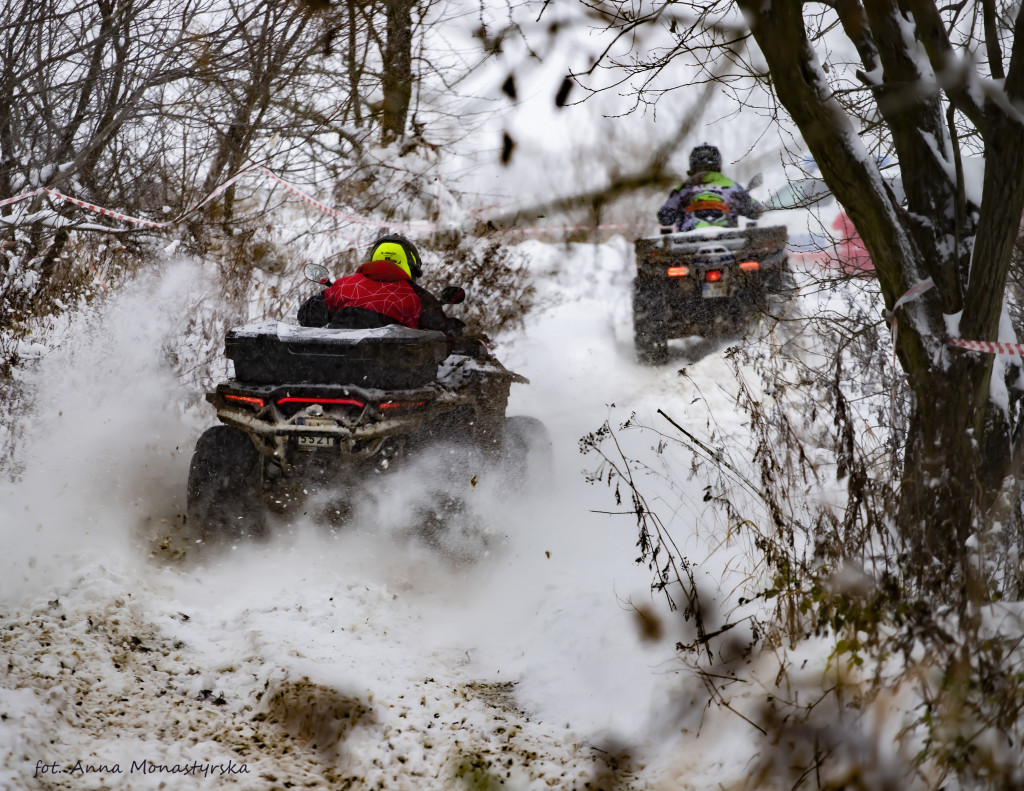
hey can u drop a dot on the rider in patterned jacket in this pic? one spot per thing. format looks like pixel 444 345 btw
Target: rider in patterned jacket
pixel 381 292
pixel 707 199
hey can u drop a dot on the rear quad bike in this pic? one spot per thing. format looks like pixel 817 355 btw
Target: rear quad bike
pixel 706 282
pixel 324 409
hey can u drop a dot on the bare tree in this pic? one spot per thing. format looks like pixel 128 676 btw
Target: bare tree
pixel 963 444
pixel 928 83
pixel 268 70
pixel 78 84
pixel 396 70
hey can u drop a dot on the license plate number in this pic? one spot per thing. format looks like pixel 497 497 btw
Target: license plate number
pixel 314 443
pixel 713 290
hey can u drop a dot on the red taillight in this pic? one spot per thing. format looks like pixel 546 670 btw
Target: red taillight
pixel 749 266
pixel 249 401
pixel 402 404
pixel 345 401
pixel 677 271
pixel 713 275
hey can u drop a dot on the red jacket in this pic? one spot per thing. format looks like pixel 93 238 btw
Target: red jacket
pixel 379 286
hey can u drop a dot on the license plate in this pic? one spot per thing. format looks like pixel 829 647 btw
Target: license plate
pixel 311 442
pixel 712 290
pixel 314 443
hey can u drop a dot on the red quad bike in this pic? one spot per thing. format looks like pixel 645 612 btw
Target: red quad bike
pixel 705 282
pixel 311 410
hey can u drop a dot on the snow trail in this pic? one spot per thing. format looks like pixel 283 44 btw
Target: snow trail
pixel 352 657
pixel 297 657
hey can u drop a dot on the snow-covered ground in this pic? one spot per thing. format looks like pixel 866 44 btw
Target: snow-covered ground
pixel 353 658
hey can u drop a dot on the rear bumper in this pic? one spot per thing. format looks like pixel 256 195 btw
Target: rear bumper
pixel 278 415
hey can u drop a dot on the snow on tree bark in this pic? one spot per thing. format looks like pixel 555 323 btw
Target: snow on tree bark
pixel 962 444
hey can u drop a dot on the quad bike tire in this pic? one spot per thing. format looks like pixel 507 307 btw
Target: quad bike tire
pixel 224 486
pixel 650 324
pixel 783 292
pixel 526 446
pixel 447 524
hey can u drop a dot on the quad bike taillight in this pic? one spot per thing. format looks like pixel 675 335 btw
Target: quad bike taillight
pixel 317 405
pixel 393 407
pixel 677 271
pixel 713 275
pixel 250 401
pixel 293 400
pixel 749 266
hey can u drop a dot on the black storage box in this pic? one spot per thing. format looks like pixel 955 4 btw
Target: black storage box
pixel 272 352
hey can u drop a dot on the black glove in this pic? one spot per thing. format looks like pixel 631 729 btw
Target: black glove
pixel 455 327
pixel 313 312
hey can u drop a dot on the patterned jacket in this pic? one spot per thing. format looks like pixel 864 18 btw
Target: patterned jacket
pixel 705 200
pixel 379 293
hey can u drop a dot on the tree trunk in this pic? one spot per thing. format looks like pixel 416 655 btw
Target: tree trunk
pixel 396 80
pixel 958 450
pixel 355 69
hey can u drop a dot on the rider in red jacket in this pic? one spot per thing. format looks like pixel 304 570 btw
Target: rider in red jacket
pixel 382 291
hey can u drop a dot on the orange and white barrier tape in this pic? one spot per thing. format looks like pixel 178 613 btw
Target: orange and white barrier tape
pixel 358 219
pixel 989 347
pixel 986 347
pixel 422 227
pixel 23 196
pixel 919 288
pixel 106 212
pixel 568 228
pixel 912 293
pixel 85 205
pixel 217 191
pixel 121 215
pixel 427 226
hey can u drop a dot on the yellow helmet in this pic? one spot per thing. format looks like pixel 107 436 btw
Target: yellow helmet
pixel 398 250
